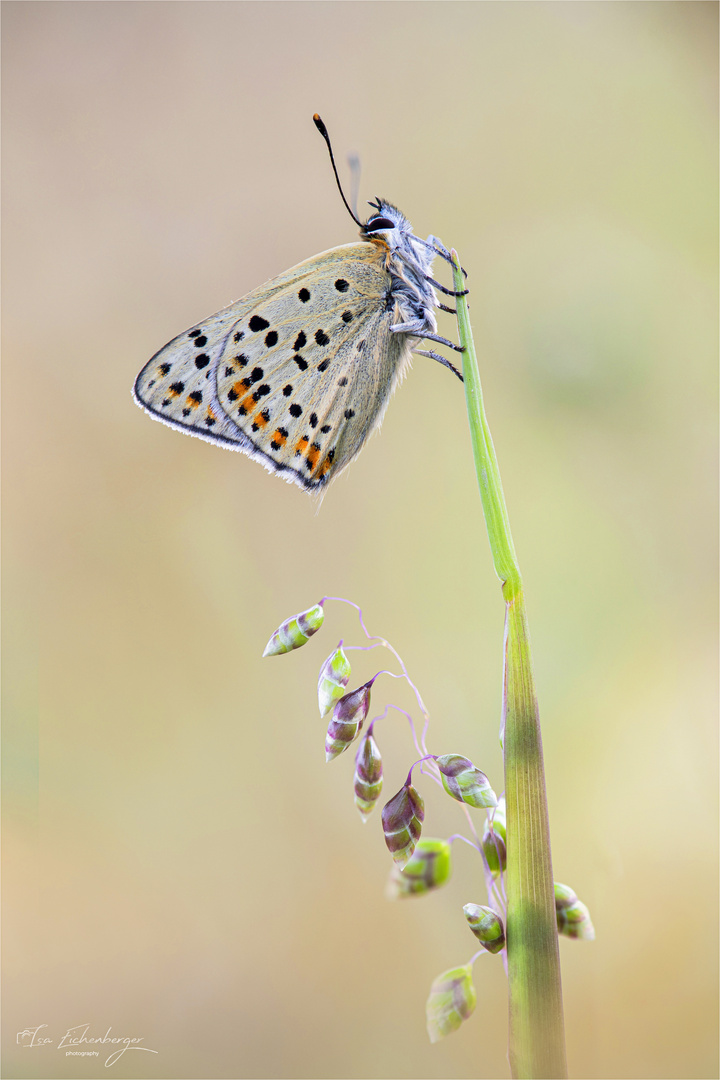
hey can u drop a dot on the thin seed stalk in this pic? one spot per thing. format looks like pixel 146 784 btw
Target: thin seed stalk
pixel 536 1030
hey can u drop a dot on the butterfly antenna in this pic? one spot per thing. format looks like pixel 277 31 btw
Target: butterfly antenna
pixel 323 131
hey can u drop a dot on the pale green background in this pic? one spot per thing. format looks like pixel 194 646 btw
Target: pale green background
pixel 181 865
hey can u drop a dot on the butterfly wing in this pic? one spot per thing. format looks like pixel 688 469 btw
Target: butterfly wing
pixel 177 385
pixel 296 374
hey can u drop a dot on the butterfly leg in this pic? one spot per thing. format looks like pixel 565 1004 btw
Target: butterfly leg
pixel 440 340
pixel 442 250
pixel 439 247
pixel 448 292
pixel 440 359
pixel 445 254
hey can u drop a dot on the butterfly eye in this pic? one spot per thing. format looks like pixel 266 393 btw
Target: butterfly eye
pixel 378 223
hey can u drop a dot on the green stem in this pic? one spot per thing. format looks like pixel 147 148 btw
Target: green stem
pixel 536 1039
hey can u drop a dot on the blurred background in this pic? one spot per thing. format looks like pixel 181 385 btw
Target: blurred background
pixel 180 864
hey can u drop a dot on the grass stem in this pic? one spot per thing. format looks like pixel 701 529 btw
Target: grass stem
pixel 536 1029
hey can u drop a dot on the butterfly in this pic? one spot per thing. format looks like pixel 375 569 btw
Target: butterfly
pixel 298 373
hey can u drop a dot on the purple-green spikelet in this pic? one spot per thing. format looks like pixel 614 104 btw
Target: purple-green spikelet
pixel 573 917
pixel 452 1000
pixel 464 782
pixel 428 868
pixel 334 677
pixel 402 820
pixel 295 631
pixel 368 778
pixel 494 840
pixel 348 716
pixel 487 926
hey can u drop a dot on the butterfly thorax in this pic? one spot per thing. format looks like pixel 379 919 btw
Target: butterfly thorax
pixel 409 262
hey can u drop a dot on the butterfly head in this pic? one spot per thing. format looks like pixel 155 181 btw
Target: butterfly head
pixel 388 226
pixel 387 223
pixel 385 219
